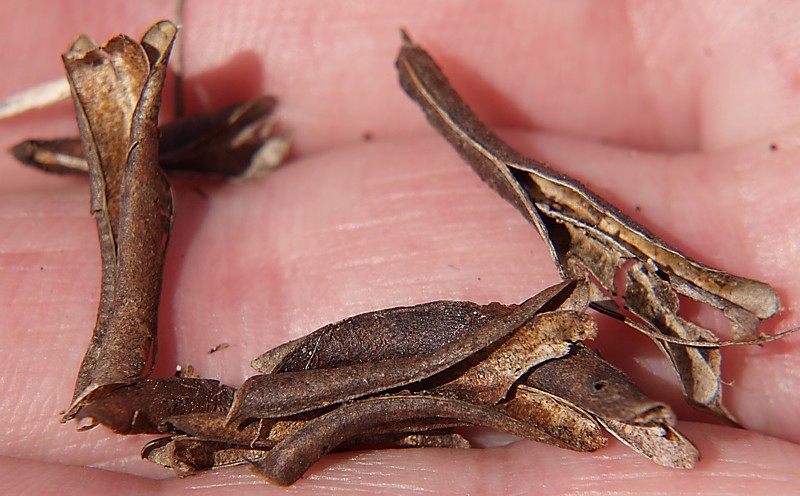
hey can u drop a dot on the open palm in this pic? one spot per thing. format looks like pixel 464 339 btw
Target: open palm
pixel 684 116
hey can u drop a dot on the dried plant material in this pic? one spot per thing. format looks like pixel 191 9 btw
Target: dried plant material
pixel 485 378
pixel 186 455
pixel 186 372
pixel 485 381
pixel 39 96
pixel 234 142
pixel 584 379
pixel 266 433
pixel 211 425
pixel 493 360
pixel 402 377
pixel 290 459
pixel 585 234
pixel 560 420
pixel 405 331
pixel 288 393
pixel 117 93
pixel 206 441
pixel 650 298
pixel 373 336
pixel 59 156
pixel 483 389
pixel 430 439
pixel 566 414
pixel 658 441
pixel 143 408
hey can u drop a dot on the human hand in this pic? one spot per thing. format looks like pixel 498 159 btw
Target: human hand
pixel 671 109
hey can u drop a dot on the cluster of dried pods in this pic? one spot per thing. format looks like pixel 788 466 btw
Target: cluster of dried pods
pixel 401 377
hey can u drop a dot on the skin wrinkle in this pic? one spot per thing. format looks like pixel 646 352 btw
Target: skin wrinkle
pixel 207 309
pixel 89 242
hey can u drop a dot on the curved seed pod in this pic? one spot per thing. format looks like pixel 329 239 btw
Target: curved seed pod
pixel 233 142
pixel 571 426
pixel 265 433
pixel 486 377
pixel 398 332
pixel 587 381
pixel 117 93
pixel 290 459
pixel 261 433
pixel 585 234
pixel 524 182
pixel 658 441
pixel 289 393
pixel 143 407
pixel 374 336
pixel 186 455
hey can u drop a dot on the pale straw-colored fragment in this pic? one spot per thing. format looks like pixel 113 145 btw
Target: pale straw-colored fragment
pixel 39 96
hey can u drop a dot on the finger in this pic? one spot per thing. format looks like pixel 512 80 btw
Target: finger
pixel 675 77
pixel 354 230
pixel 732 456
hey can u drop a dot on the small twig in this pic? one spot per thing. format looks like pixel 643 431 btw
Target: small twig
pixel 39 96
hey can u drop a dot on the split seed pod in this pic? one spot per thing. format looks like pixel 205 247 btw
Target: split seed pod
pixel 117 93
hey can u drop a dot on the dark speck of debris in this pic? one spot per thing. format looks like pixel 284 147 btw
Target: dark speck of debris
pixel 218 347
pixel 773 147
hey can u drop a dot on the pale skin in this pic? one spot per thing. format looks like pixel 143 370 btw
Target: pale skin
pixel 667 111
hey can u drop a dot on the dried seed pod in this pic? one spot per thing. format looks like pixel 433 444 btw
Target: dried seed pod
pixel 288 393
pixel 117 93
pixel 211 425
pixel 486 377
pixel 586 235
pixel 658 441
pixel 570 425
pixel 374 336
pixel 591 384
pixel 233 142
pixel 290 459
pixel 186 455
pixel 143 407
